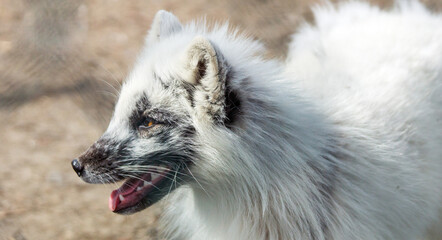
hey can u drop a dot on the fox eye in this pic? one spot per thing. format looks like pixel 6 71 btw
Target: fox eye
pixel 147 123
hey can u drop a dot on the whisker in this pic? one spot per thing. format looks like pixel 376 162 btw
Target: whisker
pixel 197 180
pixel 144 169
pixel 110 86
pixel 107 93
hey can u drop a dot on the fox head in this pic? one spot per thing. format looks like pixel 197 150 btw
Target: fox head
pixel 180 92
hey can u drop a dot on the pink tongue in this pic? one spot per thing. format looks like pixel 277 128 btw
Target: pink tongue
pixel 127 190
pixel 127 195
pixel 113 200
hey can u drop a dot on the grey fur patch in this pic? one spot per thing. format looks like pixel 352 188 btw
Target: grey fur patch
pixel 325 182
pixel 136 116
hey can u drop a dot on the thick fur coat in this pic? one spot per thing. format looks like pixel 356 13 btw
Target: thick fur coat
pixel 343 141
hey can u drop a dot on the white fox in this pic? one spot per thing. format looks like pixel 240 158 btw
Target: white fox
pixel 343 142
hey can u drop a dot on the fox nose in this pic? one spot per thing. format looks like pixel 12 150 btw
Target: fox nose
pixel 76 165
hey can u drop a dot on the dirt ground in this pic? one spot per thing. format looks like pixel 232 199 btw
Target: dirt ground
pixel 59 64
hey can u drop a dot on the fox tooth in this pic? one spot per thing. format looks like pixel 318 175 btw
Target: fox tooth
pixel 121 197
pixel 154 175
pixel 145 183
pixel 139 188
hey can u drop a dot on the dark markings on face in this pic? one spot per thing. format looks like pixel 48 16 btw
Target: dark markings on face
pixel 172 158
pixel 137 115
pixel 105 156
pixel 144 109
pixel 162 116
pixel 188 132
pixel 164 137
pixel 102 159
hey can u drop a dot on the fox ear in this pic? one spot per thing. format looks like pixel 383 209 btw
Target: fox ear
pixel 164 24
pixel 206 70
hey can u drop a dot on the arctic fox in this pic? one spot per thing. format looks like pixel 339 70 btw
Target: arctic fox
pixel 344 141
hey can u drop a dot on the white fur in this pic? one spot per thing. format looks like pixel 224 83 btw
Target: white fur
pixel 345 142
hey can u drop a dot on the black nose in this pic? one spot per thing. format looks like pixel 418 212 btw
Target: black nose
pixel 77 167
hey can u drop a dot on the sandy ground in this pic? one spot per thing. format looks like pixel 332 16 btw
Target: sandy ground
pixel 59 64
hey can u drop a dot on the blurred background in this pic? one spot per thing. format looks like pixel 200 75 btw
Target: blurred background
pixel 61 65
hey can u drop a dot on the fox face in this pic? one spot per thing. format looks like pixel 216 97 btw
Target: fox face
pixel 177 90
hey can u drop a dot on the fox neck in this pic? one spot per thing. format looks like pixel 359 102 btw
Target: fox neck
pixel 245 182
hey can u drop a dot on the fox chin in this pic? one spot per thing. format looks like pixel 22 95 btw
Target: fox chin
pixel 341 141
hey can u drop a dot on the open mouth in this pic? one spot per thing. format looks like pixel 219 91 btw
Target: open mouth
pixel 138 193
